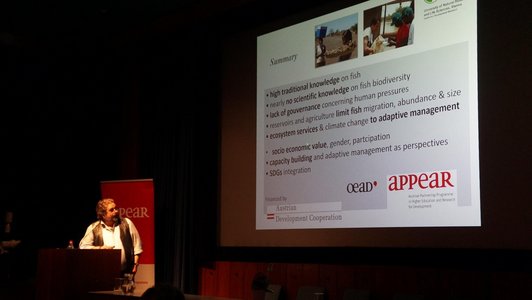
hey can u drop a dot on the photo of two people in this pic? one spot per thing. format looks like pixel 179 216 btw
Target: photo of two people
pixel 386 27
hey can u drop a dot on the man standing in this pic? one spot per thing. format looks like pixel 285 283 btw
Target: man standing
pixel 370 34
pixel 113 232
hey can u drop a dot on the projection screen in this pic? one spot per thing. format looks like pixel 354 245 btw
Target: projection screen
pixel 363 121
pixel 329 140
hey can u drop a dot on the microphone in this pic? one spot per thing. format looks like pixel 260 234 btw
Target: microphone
pixel 116 220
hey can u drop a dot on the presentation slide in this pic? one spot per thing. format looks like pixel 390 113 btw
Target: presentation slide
pixel 364 122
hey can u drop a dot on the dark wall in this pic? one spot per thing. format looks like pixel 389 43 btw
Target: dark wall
pixel 92 93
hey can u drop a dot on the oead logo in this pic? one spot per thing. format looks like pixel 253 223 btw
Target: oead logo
pixel 361 187
pixel 422 181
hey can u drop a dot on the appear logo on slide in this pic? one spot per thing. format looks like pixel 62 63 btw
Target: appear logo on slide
pixel 361 187
pixel 422 181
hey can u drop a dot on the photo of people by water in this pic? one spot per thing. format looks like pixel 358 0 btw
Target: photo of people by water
pixel 336 41
pixel 388 27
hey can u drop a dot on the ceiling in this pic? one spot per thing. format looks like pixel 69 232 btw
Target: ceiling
pixel 26 15
pixel 64 16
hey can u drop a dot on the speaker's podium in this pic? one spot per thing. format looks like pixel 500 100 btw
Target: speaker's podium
pixel 72 273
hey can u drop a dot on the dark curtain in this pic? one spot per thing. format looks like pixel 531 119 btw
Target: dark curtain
pixel 104 97
pixel 179 108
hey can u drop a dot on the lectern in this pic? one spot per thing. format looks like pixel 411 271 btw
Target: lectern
pixel 64 274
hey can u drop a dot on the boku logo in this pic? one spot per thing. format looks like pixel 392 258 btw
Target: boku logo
pixel 434 180
pixel 361 187
pixel 430 1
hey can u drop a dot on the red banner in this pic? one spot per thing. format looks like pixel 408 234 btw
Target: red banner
pixel 134 199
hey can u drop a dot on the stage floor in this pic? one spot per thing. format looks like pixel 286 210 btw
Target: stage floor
pixel 103 295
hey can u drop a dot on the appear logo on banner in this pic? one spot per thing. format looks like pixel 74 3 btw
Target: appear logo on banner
pixel 134 212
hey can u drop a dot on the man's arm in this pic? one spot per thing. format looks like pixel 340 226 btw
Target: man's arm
pixel 367 50
pixel 87 242
pixel 88 239
pixel 137 244
pixel 135 238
